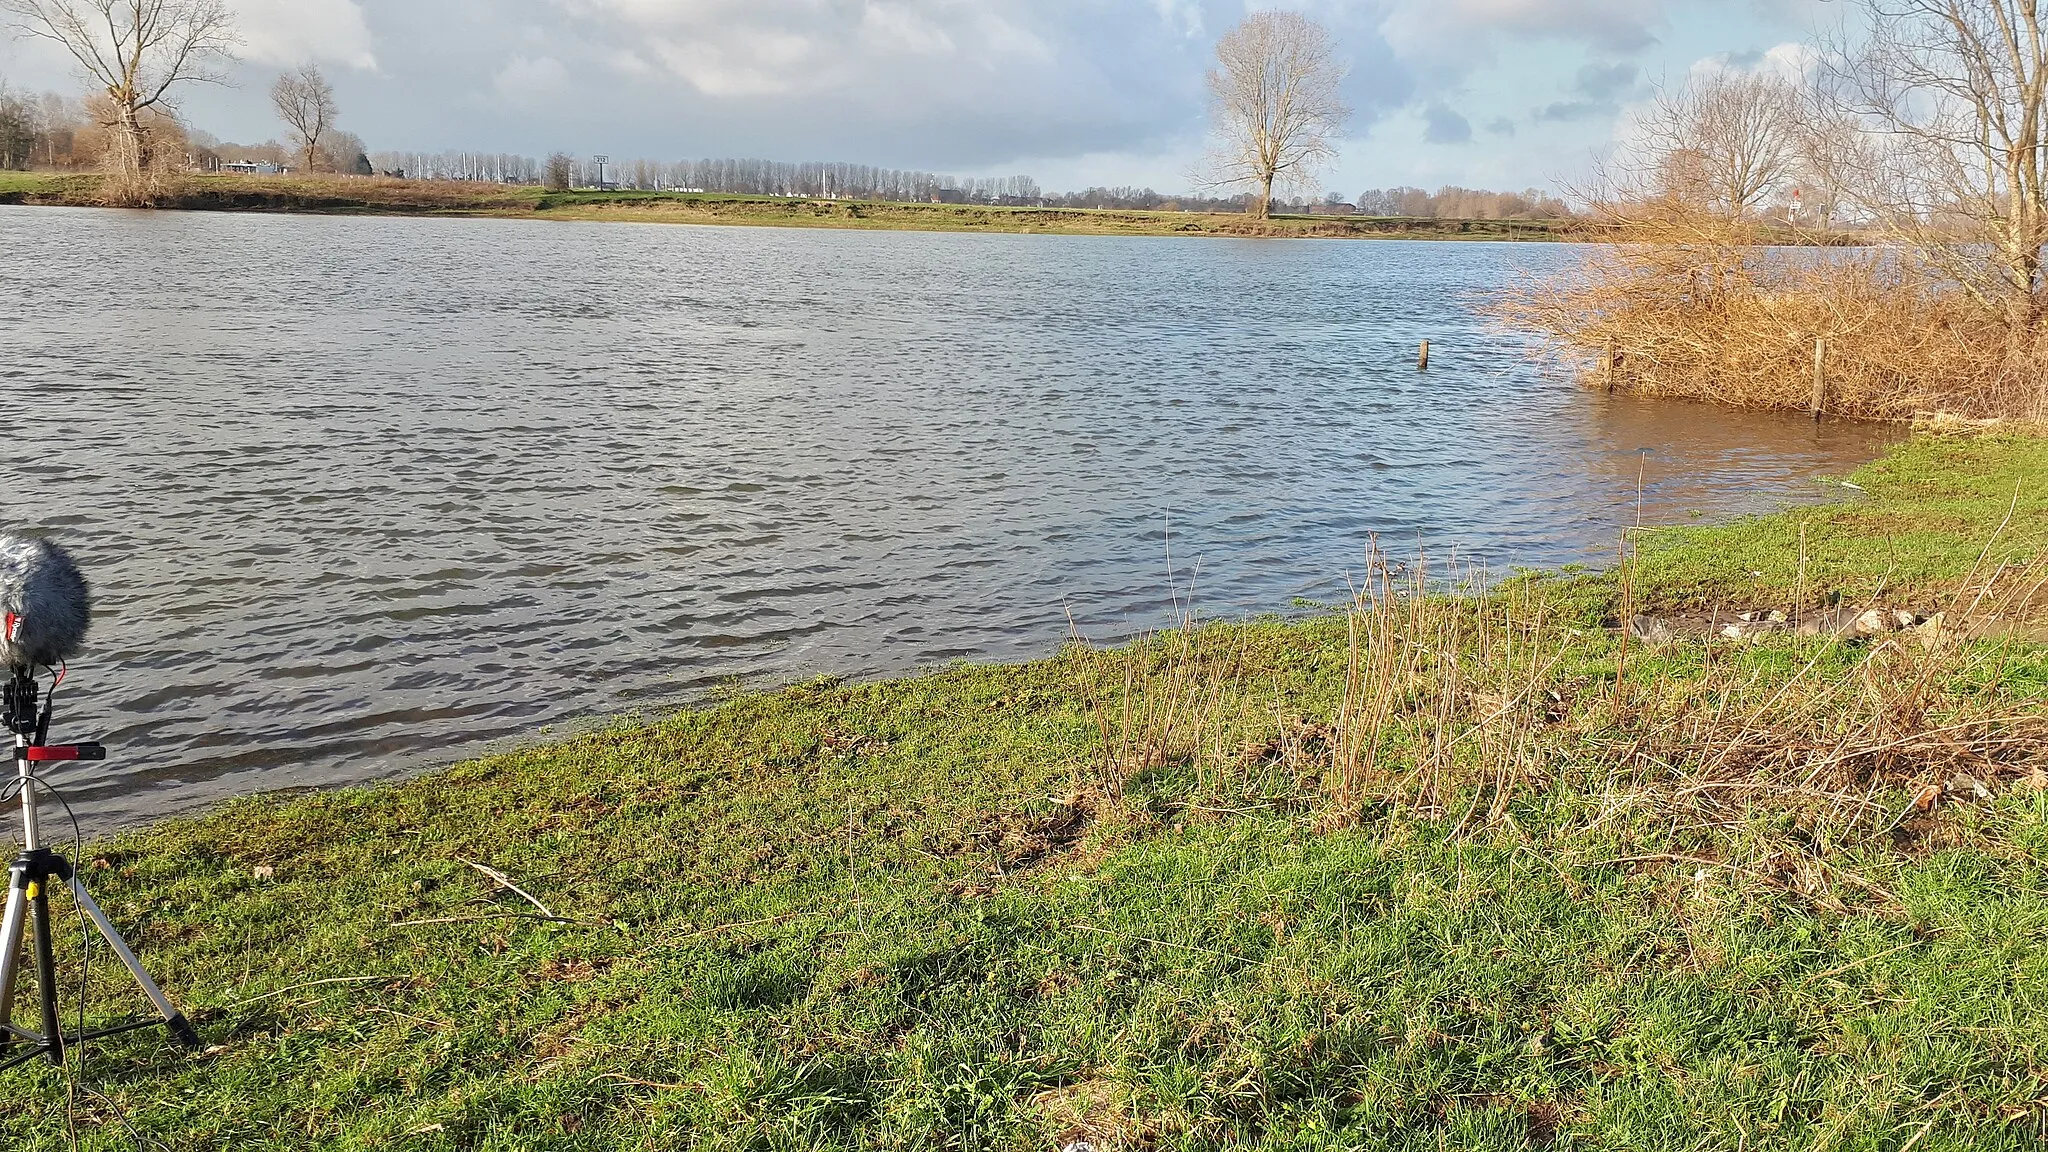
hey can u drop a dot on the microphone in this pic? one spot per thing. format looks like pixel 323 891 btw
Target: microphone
pixel 46 605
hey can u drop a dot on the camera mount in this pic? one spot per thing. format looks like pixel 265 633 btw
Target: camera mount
pixel 25 711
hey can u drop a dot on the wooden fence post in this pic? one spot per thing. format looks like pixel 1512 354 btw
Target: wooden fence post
pixel 1422 358
pixel 1820 375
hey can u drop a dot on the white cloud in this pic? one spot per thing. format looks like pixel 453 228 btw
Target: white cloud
pixel 1182 16
pixel 1463 29
pixel 523 82
pixel 286 32
pixel 752 48
pixel 1788 61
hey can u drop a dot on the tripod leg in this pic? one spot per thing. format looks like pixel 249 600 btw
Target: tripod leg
pixel 46 971
pixel 174 1019
pixel 10 957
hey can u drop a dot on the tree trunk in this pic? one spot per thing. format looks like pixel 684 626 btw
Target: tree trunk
pixel 1266 197
pixel 128 179
pixel 2023 301
pixel 128 142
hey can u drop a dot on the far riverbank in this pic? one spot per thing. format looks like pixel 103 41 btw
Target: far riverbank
pixel 387 197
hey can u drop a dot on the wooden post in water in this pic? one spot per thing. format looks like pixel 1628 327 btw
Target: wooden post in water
pixel 1422 358
pixel 1820 375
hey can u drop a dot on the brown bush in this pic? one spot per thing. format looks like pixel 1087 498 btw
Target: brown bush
pixel 1703 308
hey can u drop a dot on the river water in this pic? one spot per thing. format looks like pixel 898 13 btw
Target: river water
pixel 363 496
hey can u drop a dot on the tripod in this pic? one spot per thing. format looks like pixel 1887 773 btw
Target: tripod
pixel 27 715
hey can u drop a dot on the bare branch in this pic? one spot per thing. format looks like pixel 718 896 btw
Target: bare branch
pixel 305 102
pixel 1950 98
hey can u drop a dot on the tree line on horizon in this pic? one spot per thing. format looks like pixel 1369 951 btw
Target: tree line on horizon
pixel 52 132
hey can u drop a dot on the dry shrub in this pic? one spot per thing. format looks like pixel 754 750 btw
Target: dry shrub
pixel 133 181
pixel 1692 306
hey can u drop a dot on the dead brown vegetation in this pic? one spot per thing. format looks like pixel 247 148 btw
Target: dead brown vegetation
pixel 1457 707
pixel 1693 305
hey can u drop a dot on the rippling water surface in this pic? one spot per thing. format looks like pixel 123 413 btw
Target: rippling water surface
pixel 360 496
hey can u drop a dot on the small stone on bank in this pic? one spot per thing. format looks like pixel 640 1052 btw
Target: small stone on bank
pixel 1651 630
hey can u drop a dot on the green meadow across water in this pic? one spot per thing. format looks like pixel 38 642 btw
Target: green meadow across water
pixel 947 911
pixel 380 196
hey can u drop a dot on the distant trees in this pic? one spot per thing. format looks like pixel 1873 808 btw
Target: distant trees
pixel 1453 203
pixel 1275 105
pixel 20 129
pixel 137 52
pixel 45 131
pixel 744 177
pixel 305 102
pixel 346 153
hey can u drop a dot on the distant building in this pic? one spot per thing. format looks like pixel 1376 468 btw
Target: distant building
pixel 254 168
pixel 949 196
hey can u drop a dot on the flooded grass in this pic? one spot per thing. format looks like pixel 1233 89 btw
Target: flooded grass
pixel 1425 873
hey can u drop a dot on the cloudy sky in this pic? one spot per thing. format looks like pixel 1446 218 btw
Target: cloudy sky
pixel 1484 93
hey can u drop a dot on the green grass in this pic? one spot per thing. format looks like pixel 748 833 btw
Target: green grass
pixel 907 914
pixel 37 187
pixel 1913 525
pixel 1921 516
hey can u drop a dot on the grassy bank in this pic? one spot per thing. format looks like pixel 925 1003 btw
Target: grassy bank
pixel 448 198
pixel 1431 873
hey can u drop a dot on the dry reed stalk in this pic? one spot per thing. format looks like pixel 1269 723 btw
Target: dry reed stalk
pixel 1168 701
pixel 1835 745
pixel 1445 685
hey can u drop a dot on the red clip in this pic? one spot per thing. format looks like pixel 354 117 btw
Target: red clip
pixel 13 627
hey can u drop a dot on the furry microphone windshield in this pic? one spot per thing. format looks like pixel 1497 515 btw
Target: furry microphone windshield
pixel 46 605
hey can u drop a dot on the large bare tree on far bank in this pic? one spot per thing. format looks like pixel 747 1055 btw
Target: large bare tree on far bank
pixel 1276 104
pixel 1951 99
pixel 137 52
pixel 1723 141
pixel 305 102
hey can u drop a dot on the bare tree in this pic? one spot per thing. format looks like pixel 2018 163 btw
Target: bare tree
pixel 345 152
pixel 1952 158
pixel 1275 103
pixel 560 172
pixel 20 128
pixel 1724 142
pixel 305 102
pixel 137 52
